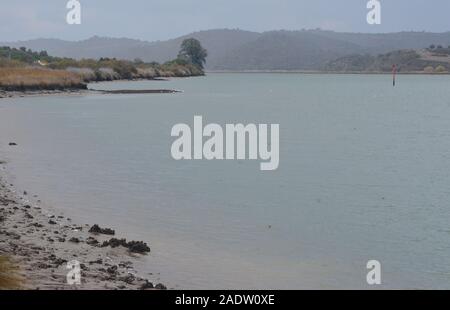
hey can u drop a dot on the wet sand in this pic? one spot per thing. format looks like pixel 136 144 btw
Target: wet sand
pixel 41 242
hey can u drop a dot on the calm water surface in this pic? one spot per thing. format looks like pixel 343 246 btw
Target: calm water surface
pixel 364 174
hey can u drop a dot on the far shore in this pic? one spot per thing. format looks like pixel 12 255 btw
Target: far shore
pixel 21 91
pixel 327 72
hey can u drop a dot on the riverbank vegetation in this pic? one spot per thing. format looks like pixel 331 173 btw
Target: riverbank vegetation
pixel 407 61
pixel 23 69
pixel 27 78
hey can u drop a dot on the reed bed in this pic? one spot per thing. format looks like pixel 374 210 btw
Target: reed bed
pixel 30 78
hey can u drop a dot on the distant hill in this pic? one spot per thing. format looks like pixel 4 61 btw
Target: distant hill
pixel 245 50
pixel 217 42
pixel 285 50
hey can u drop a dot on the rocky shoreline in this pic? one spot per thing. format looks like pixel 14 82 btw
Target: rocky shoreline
pixel 42 242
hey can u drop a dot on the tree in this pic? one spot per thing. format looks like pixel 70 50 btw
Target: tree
pixel 193 52
pixel 432 47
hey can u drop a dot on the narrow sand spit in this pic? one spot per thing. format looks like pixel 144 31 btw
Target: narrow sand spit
pixel 76 92
pixel 42 244
pixel 40 93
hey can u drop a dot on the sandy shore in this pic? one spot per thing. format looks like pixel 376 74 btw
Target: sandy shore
pixel 41 242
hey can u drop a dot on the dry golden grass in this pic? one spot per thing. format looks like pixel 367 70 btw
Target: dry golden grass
pixel 37 78
pixel 9 278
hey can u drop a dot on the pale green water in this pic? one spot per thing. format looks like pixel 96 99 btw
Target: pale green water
pixel 364 174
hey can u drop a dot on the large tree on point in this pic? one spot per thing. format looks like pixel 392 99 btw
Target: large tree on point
pixel 193 52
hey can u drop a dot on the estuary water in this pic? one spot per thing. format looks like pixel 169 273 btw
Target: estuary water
pixel 364 175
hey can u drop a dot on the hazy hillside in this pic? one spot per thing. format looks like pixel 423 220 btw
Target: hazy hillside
pixel 406 60
pixel 386 42
pixel 244 50
pixel 285 50
pixel 217 42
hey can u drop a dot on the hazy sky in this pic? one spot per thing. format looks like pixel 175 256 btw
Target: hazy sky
pixel 164 19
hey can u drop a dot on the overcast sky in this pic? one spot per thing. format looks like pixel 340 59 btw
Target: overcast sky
pixel 164 19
